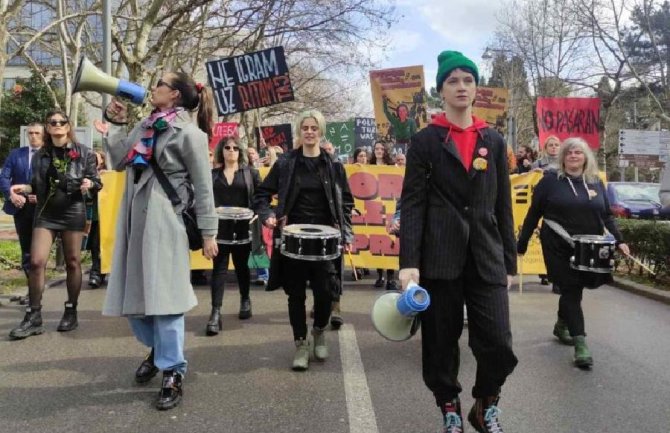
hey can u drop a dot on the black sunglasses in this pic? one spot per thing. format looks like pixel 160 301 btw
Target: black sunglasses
pixel 235 148
pixel 58 122
pixel 163 83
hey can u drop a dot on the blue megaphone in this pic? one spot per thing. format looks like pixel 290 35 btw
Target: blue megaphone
pixel 90 78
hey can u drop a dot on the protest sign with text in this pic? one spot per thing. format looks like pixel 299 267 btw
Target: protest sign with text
pixel 341 134
pixel 365 132
pixel 491 104
pixel 223 129
pixel 569 117
pixel 249 81
pixel 277 135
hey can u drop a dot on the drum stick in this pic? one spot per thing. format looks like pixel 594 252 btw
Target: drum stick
pixel 630 256
pixel 351 260
pixel 251 221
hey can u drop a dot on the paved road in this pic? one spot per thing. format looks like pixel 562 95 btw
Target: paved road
pixel 240 380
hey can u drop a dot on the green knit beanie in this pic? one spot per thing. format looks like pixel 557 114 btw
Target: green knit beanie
pixel 447 61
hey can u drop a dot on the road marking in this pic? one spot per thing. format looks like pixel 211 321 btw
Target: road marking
pixel 359 404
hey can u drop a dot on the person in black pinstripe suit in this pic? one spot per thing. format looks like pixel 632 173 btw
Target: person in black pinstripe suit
pixel 457 241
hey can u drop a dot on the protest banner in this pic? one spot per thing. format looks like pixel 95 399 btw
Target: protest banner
pixel 277 135
pixel 375 190
pixel 569 117
pixel 399 99
pixel 365 132
pixel 491 104
pixel 223 129
pixel 251 80
pixel 341 134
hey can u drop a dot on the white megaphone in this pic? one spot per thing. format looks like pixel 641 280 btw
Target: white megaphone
pixel 395 314
pixel 90 78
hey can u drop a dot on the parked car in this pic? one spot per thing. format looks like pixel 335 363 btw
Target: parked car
pixel 636 200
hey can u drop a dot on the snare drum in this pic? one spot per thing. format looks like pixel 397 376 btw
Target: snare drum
pixel 234 227
pixel 310 242
pixel 593 253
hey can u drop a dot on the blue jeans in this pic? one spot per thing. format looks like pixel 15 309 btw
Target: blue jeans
pixel 262 274
pixel 165 334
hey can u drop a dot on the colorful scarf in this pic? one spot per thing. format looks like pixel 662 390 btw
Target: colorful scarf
pixel 140 154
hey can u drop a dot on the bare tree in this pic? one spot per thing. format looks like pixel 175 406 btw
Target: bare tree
pixel 8 12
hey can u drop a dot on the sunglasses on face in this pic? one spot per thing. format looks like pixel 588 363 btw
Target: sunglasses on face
pixel 234 148
pixel 163 83
pixel 57 122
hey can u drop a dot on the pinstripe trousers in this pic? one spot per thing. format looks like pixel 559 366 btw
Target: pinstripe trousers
pixel 490 337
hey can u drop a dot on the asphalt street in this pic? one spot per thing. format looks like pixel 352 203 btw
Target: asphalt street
pixel 240 380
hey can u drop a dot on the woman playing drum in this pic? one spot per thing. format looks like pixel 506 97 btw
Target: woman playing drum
pixel 572 202
pixel 312 189
pixel 234 184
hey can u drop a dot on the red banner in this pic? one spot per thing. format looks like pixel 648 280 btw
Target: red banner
pixel 569 117
pixel 223 129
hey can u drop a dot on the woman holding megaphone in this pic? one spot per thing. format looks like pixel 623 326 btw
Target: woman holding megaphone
pixel 150 278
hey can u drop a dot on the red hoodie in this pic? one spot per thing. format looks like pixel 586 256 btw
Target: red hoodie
pixel 464 139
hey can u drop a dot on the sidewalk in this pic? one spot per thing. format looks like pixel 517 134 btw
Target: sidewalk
pixel 642 290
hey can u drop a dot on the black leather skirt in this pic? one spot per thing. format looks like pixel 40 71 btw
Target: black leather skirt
pixel 61 212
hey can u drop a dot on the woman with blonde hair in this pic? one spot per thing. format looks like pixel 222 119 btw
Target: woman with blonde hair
pixel 311 189
pixel 572 201
pixel 549 157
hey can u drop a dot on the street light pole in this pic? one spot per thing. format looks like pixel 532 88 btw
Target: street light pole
pixel 106 62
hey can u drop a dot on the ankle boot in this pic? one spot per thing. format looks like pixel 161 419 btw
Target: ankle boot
pixel 171 391
pixel 301 358
pixel 320 347
pixel 453 420
pixel 562 333
pixel 583 358
pixel 215 324
pixel 30 325
pixel 147 369
pixel 484 415
pixel 69 320
pixel 245 309
pixel 336 320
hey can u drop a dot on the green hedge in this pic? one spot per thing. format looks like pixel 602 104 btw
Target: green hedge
pixel 649 241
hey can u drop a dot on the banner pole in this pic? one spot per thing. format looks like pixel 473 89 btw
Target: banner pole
pixel 260 132
pixel 521 276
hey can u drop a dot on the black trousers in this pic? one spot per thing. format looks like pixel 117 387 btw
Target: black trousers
pixel 240 255
pixel 570 309
pixel 23 222
pixel 490 337
pixel 319 275
pixel 94 245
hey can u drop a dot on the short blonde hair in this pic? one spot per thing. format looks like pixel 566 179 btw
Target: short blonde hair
pixel 307 114
pixel 590 165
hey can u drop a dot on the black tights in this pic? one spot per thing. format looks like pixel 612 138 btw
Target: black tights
pixel 240 255
pixel 570 309
pixel 39 254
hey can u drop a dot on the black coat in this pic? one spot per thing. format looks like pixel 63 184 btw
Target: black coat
pixel 280 181
pixel 554 198
pixel 448 212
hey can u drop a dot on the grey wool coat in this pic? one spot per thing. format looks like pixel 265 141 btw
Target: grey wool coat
pixel 150 272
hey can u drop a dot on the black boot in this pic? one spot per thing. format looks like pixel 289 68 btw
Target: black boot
pixel 147 370
pixel 30 325
pixel 69 320
pixel 94 279
pixel 215 324
pixel 453 420
pixel 484 415
pixel 171 391
pixel 245 309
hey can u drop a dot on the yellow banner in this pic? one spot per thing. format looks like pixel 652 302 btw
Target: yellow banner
pixel 522 192
pixel 491 104
pixel 375 190
pixel 399 99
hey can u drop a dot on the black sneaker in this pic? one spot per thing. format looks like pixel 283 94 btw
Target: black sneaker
pixel 484 415
pixel 392 285
pixel 245 309
pixel 453 421
pixel 379 282
pixel 30 325
pixel 171 391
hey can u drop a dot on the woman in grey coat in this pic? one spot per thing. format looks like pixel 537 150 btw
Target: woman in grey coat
pixel 149 282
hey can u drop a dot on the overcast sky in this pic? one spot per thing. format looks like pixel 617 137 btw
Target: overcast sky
pixel 427 27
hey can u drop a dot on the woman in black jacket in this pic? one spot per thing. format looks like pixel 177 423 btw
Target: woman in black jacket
pixel 234 184
pixel 63 173
pixel 311 189
pixel 575 199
